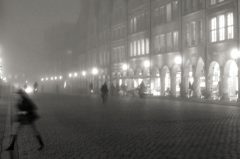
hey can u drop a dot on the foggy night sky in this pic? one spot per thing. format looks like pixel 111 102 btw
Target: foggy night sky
pixel 25 22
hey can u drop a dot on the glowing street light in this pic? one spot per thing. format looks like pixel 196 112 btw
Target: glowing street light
pixel 42 79
pixel 146 63
pixel 60 77
pixel 55 77
pixel 70 75
pixel 52 78
pixel 235 54
pixel 94 71
pixel 46 78
pixel 84 73
pixel 178 60
pixel 75 74
pixel 124 67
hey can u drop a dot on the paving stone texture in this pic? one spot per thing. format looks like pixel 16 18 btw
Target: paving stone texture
pixel 81 127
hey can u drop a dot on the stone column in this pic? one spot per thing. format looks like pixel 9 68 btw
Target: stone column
pixel 223 91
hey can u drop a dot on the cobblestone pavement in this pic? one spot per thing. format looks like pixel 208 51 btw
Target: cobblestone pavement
pixel 3 115
pixel 77 127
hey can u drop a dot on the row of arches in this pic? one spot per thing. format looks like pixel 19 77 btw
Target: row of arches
pixel 214 81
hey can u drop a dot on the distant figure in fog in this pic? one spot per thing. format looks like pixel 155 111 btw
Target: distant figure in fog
pixel 26 115
pixel 91 87
pixel 104 92
pixel 35 87
pixel 141 90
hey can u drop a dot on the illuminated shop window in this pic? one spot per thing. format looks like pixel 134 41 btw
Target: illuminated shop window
pixel 178 82
pixel 167 83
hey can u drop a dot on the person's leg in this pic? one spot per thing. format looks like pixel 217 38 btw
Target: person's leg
pixel 15 129
pixel 37 135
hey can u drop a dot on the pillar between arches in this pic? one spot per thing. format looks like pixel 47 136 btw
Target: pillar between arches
pixel 238 99
pixel 184 86
pixel 223 93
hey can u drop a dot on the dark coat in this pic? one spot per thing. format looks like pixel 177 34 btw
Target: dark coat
pixel 26 111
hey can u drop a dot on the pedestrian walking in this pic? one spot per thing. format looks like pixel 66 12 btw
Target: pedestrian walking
pixel 141 90
pixel 104 92
pixel 26 115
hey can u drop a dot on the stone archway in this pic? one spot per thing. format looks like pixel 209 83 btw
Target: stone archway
pixel 156 82
pixel 214 80
pixel 188 79
pixel 176 79
pixel 231 80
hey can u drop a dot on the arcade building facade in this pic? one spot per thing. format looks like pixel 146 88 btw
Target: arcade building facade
pixel 179 48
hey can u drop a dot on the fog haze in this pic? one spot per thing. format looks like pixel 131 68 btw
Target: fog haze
pixel 25 23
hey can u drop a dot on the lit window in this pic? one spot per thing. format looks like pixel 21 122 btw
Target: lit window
pixel 134 24
pixel 230 30
pixel 131 49
pixel 188 35
pixel 139 47
pixel 214 29
pixel 169 12
pixel 143 47
pixel 175 39
pixel 147 46
pixel 221 27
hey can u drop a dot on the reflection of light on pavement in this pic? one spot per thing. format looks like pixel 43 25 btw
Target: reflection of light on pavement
pixel 29 90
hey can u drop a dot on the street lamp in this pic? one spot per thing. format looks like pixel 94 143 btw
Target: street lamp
pixel 46 78
pixel 70 75
pixel 178 60
pixel 235 54
pixel 42 79
pixel 84 73
pixel 124 67
pixel 146 63
pixel 60 77
pixel 94 71
pixel 75 74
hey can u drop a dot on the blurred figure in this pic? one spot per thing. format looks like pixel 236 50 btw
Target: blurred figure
pixel 35 87
pixel 91 87
pixel 141 90
pixel 26 115
pixel 104 92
